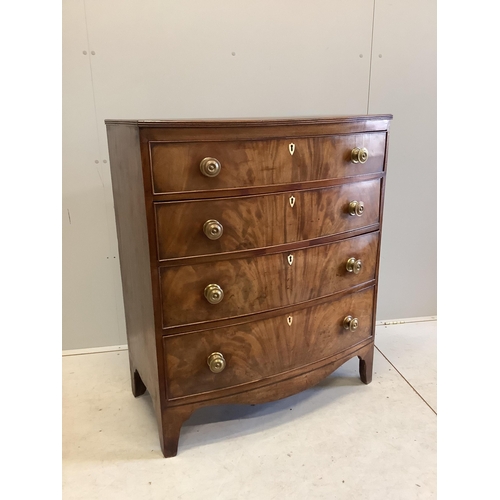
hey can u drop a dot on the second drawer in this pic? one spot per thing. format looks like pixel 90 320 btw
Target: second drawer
pixel 224 289
pixel 243 223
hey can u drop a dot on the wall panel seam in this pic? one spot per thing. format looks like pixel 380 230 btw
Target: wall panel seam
pixel 371 59
pixel 118 291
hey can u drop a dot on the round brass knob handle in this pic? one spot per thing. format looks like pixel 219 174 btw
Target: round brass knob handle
pixel 213 293
pixel 216 362
pixel 213 229
pixel 359 155
pixel 351 323
pixel 353 265
pixel 210 167
pixel 356 208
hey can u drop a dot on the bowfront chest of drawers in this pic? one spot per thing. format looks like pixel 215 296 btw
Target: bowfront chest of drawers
pixel 249 255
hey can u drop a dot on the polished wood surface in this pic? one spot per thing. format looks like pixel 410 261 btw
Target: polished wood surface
pixel 176 166
pixel 133 216
pixel 134 254
pixel 345 123
pixel 258 350
pixel 275 388
pixel 269 313
pixel 257 284
pixel 224 130
pixel 262 221
pixel 161 203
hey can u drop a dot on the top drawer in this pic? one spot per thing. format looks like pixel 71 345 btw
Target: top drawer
pixel 239 164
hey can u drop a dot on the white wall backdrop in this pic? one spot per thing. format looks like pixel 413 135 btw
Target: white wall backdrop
pixel 165 59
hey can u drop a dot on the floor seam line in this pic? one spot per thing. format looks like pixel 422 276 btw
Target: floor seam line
pixel 406 380
pixel 90 353
pixel 403 322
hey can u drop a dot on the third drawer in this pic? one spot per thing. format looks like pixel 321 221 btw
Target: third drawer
pixel 236 287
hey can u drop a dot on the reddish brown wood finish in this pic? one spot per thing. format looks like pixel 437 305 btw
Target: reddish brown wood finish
pixel 232 130
pixel 262 349
pixel 176 166
pixel 261 221
pixel 269 390
pixel 135 260
pixel 366 364
pixel 262 283
pixel 161 243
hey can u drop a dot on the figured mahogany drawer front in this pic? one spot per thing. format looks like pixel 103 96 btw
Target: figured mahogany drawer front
pixel 253 351
pixel 176 166
pixel 261 221
pixel 257 284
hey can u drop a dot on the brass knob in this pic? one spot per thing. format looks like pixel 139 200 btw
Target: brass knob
pixel 213 229
pixel 351 323
pixel 210 167
pixel 356 208
pixel 359 155
pixel 213 293
pixel 216 362
pixel 353 265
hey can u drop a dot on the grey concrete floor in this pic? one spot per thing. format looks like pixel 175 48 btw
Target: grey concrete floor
pixel 338 440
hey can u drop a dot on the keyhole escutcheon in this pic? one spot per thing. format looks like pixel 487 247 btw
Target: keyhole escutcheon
pixel 292 201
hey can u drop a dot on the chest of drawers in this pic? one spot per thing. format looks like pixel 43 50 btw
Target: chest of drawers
pixel 249 255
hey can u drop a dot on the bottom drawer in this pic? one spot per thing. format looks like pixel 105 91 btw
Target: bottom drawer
pixel 259 349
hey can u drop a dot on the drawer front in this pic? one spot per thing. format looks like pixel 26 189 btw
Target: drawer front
pixel 253 351
pixel 176 166
pixel 261 221
pixel 258 284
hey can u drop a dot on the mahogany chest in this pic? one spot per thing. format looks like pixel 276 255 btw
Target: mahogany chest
pixel 249 255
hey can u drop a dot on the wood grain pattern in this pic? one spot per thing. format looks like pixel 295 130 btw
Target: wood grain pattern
pixel 187 328
pixel 261 190
pixel 278 386
pixel 160 247
pixel 135 250
pixel 257 284
pixel 255 252
pixel 262 221
pixel 254 351
pixel 224 130
pixel 134 253
pixel 268 390
pixel 176 166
